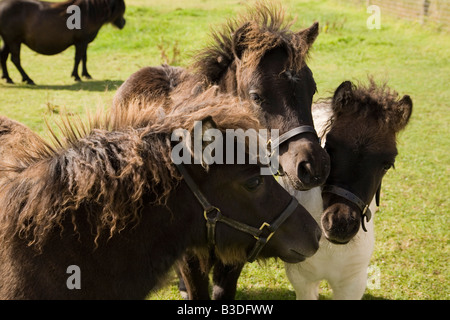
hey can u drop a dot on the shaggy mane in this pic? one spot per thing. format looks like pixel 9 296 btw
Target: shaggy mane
pixel 371 101
pixel 110 164
pixel 265 29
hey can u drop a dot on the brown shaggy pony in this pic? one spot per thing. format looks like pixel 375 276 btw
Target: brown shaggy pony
pixel 257 58
pixel 103 214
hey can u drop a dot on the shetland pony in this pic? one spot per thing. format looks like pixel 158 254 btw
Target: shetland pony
pixel 359 125
pixel 108 202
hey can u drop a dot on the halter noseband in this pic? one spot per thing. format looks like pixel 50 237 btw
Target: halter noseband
pixel 363 207
pixel 272 145
pixel 292 133
pixel 213 215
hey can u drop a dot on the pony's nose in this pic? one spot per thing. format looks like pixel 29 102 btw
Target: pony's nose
pixel 306 175
pixel 304 172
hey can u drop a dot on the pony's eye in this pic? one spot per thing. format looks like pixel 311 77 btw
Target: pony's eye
pixel 387 166
pixel 254 183
pixel 255 97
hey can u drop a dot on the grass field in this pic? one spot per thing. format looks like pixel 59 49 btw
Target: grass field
pixel 412 225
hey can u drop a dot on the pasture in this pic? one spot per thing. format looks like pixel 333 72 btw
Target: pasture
pixel 411 256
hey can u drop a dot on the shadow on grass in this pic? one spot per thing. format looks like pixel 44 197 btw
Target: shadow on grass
pixel 264 294
pixel 368 296
pixel 285 294
pixel 88 85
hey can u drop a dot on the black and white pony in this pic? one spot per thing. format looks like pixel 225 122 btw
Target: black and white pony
pixel 359 127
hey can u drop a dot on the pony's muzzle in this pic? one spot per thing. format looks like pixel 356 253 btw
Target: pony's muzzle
pixel 120 22
pixel 313 166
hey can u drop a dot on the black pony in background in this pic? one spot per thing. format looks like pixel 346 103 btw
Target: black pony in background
pixel 48 28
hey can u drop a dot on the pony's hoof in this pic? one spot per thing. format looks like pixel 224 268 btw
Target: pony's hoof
pixel 8 79
pixel 30 82
pixel 87 76
pixel 78 79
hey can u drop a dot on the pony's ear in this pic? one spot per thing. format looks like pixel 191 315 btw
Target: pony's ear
pixel 404 106
pixel 238 40
pixel 342 96
pixel 208 123
pixel 309 34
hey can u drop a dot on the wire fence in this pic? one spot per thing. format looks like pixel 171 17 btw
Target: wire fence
pixel 436 12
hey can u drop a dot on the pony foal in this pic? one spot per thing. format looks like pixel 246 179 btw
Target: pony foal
pixel 360 126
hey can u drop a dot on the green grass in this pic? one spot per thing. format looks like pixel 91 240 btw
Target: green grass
pixel 412 226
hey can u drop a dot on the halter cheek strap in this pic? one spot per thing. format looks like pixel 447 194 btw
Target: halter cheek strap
pixel 213 215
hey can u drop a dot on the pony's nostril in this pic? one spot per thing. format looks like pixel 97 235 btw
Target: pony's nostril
pixel 304 172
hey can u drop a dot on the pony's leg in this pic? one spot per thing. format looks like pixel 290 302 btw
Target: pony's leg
pixel 15 58
pixel 85 73
pixel 80 51
pixel 181 285
pixel 4 53
pixel 195 279
pixel 351 288
pixel 225 278
pixel 305 284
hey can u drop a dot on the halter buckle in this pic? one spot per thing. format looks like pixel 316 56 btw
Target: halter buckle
pixel 207 211
pixel 265 225
pixel 366 213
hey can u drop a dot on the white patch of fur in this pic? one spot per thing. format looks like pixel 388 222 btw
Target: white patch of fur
pixel 343 266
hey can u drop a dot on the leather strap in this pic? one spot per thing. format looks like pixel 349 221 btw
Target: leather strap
pixel 262 240
pixel 213 215
pixel 292 133
pixel 365 211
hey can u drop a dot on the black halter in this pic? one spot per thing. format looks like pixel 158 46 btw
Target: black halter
pixel 363 207
pixel 272 145
pixel 213 215
pixel 292 133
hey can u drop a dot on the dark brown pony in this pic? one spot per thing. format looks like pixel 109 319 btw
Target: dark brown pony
pixel 109 202
pixel 258 58
pixel 361 142
pixel 42 26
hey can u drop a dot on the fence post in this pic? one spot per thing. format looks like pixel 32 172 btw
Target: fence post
pixel 425 7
